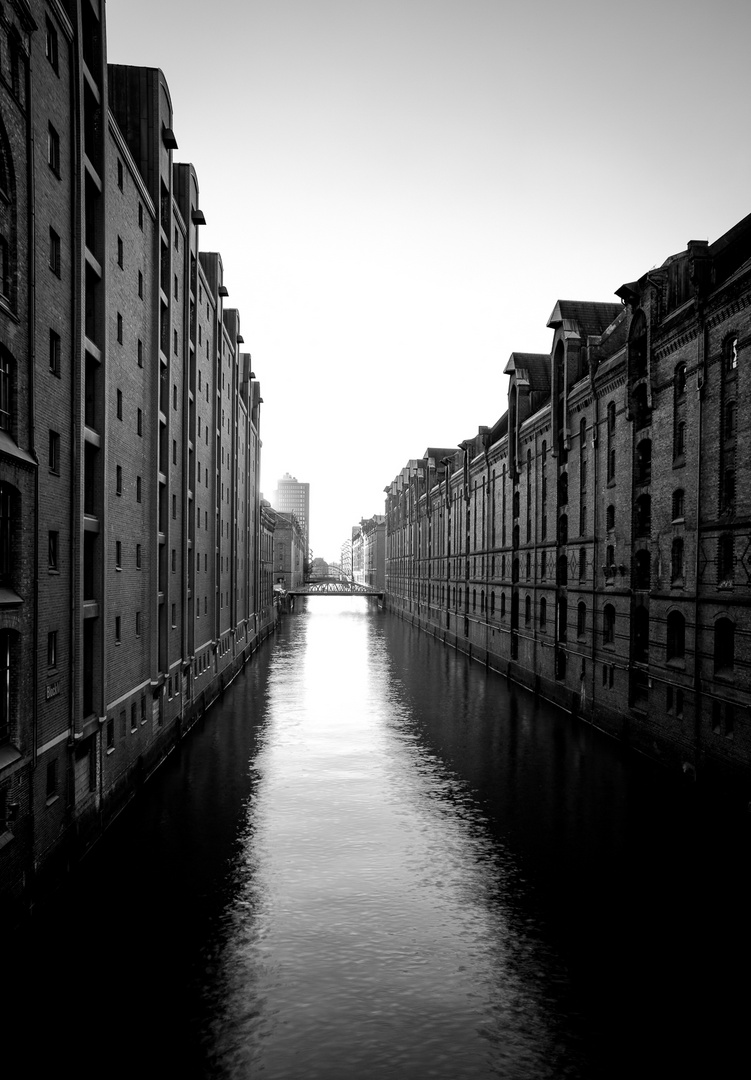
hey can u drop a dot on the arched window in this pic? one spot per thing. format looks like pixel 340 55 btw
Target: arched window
pixel 676 561
pixel 644 462
pixel 563 488
pixel 611 442
pixel 637 346
pixel 7 374
pixel 679 382
pixel 731 420
pixel 7 221
pixel 724 646
pixel 8 504
pixel 543 612
pixel 730 356
pixel 610 518
pixel 562 570
pixel 562 618
pixel 563 529
pixel 676 641
pixel 725 559
pixel 641 635
pixel 581 619
pixel 608 625
pixel 643 523
pixel 642 564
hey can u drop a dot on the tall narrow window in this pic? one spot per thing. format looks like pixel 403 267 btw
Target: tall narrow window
pixel 6 385
pixel 54 452
pixel 53 149
pixel 55 259
pixel 51 46
pixel 55 348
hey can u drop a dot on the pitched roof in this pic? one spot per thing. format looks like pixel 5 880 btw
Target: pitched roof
pixel 591 317
pixel 533 367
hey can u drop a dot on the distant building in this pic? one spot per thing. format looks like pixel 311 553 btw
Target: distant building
pixel 289 552
pixel 319 568
pixel 292 497
pixel 369 552
pixel 345 559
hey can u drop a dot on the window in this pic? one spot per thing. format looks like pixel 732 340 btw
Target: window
pixel 111 733
pixel 676 637
pixel 724 647
pixel 138 627
pixel 120 252
pixel 581 619
pixel 133 717
pixel 119 480
pixel 120 175
pixel 174 616
pixel 176 288
pixel 725 560
pixel 731 420
pixel 608 625
pixel 679 382
pixel 140 284
pixel 54 353
pixel 119 404
pixel 543 612
pixel 117 630
pixel 174 393
pixel 140 353
pixel 174 342
pixel 728 491
pixel 676 561
pixel 53 548
pixel 119 328
pixel 138 489
pixel 6 383
pixel 140 215
pixel 53 149
pixel 50 46
pixel 679 449
pixel 582 563
pixel 678 504
pixel 54 252
pixel 730 356
pixel 174 560
pixel 118 554
pixel 52 649
pixel 139 421
pixel 138 556
pixel 528 609
pixel 174 451
pixel 54 452
pixel 174 507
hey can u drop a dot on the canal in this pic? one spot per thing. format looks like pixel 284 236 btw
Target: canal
pixel 375 859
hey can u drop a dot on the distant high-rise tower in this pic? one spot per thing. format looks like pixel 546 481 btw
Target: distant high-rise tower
pixel 293 497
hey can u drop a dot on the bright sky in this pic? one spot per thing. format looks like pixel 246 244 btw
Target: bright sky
pixel 402 189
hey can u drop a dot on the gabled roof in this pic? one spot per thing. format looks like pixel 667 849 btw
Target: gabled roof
pixel 587 316
pixel 532 368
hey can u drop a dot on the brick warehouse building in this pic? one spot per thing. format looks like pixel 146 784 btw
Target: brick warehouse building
pixel 595 543
pixel 129 442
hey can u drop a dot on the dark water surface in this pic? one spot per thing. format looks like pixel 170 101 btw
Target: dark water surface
pixel 374 859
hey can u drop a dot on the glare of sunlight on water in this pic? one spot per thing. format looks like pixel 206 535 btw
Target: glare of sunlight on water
pixel 367 935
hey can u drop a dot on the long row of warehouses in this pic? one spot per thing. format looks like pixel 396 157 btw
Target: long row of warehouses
pixel 135 573
pixel 595 543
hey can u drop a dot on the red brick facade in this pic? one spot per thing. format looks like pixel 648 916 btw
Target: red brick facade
pixel 595 543
pixel 129 443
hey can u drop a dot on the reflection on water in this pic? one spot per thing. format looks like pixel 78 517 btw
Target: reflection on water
pixel 369 932
pixel 374 859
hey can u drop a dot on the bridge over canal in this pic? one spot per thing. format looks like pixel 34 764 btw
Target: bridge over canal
pixel 333 587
